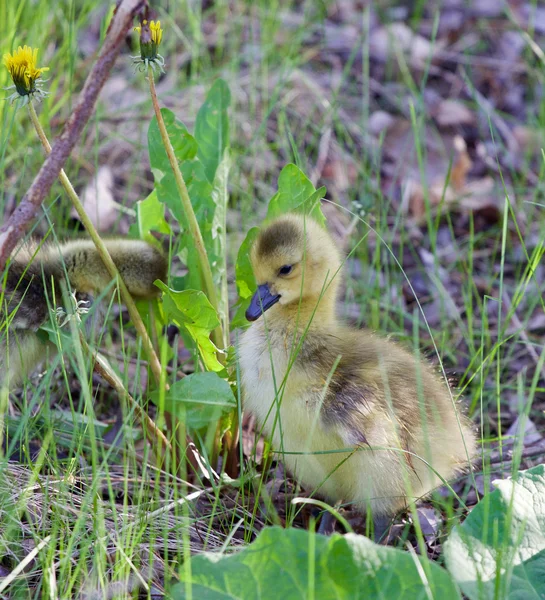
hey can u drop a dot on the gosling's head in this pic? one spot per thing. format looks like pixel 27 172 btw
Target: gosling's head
pixel 296 265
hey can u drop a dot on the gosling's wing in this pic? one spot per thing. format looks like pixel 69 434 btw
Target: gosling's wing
pixel 348 407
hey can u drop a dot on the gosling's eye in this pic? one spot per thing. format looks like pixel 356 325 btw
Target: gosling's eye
pixel 285 270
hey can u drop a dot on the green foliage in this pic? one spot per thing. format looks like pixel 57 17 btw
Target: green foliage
pixel 192 311
pixel 295 194
pixel 199 399
pixel 212 128
pixel 199 188
pixel 204 165
pixel 245 278
pixel 296 564
pixel 184 144
pixel 150 216
pixel 218 234
pixel 499 550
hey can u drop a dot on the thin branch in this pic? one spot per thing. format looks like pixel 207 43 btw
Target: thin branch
pixel 13 230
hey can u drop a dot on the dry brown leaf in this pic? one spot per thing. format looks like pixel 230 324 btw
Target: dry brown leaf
pixel 461 166
pixel 250 448
pixel 398 40
pixel 528 139
pixel 98 200
pixel 429 522
pixel 450 113
pixel 526 428
pixel 379 121
pixel 479 195
pixel 414 197
pixel 474 196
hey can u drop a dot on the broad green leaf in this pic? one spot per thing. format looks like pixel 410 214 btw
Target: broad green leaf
pixel 499 550
pixel 199 399
pixel 192 311
pixel 218 234
pixel 212 127
pixel 294 564
pixel 296 194
pixel 184 144
pixel 150 216
pixel 245 279
pixel 207 199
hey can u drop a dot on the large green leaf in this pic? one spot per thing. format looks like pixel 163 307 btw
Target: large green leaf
pixel 499 550
pixel 184 144
pixel 245 278
pixel 218 234
pixel 192 311
pixel 212 127
pixel 294 564
pixel 199 399
pixel 209 200
pixel 296 193
pixel 150 216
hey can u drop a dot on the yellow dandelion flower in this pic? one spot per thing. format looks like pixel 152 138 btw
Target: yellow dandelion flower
pixel 156 32
pixel 151 35
pixel 23 70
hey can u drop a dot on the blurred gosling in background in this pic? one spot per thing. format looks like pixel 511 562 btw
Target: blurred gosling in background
pixel 33 285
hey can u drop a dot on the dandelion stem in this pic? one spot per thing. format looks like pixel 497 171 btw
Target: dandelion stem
pixel 103 252
pixel 194 230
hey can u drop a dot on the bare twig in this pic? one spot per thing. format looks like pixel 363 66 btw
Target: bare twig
pixel 12 231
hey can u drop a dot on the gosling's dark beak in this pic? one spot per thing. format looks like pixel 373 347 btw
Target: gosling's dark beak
pixel 261 301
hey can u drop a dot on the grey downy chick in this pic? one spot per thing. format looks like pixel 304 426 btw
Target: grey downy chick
pixel 33 283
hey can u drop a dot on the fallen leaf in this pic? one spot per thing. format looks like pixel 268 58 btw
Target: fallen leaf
pixel 479 195
pixel 98 200
pixel 379 121
pixel 397 40
pixel 529 432
pixel 415 198
pixel 429 522
pixel 461 166
pixel 251 447
pixel 450 113
pixel 528 139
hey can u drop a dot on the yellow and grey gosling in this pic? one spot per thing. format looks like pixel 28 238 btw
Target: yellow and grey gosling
pixel 33 283
pixel 355 417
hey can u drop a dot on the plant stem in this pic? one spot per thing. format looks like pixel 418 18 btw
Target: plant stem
pixel 154 362
pixel 103 252
pixel 194 229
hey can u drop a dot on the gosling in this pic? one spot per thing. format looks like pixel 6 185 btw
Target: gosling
pixel 32 285
pixel 356 418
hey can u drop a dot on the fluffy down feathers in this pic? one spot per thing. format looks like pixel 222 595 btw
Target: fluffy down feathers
pixel 33 286
pixel 355 417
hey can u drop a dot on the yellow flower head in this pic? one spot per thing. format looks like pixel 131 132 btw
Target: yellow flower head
pixel 156 32
pixel 22 68
pixel 151 35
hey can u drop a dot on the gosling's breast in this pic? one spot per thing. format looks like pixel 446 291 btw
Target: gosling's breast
pixel 263 367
